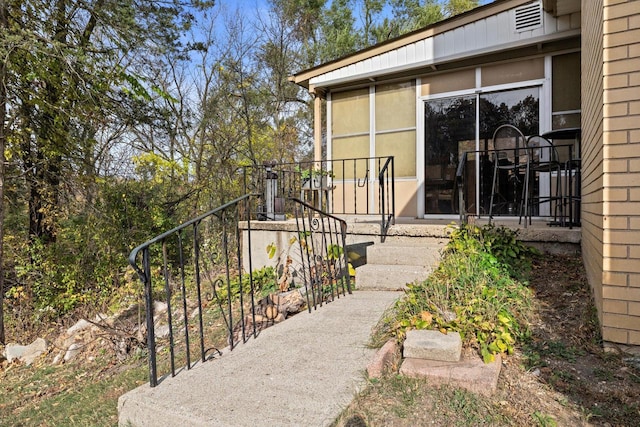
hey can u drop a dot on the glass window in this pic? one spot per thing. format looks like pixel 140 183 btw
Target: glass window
pixel 565 87
pixel 395 106
pixel 449 82
pixel 402 145
pixel 566 82
pixel 350 112
pixel 513 72
pixel 449 126
pixel 354 147
pixel 450 130
pixel 518 107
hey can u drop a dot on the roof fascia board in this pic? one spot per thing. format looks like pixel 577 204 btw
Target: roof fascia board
pixel 469 54
pixel 477 14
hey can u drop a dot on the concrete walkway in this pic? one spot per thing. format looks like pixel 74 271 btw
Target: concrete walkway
pixel 301 372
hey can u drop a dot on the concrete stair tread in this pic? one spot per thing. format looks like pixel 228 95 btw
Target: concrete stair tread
pixel 381 276
pixel 395 254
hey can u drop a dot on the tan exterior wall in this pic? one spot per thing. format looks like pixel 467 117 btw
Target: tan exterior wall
pixel 345 196
pixel 390 130
pixel 611 163
pixel 591 206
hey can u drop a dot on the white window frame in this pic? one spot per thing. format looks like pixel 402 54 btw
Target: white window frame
pixel 544 120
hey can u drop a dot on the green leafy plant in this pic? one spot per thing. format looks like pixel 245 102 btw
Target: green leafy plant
pixel 543 419
pixel 471 292
pixel 306 173
pixel 264 283
pixel 501 242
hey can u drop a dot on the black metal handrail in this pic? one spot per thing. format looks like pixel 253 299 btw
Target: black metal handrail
pixel 485 162
pixel 199 270
pixel 205 248
pixel 324 265
pixel 338 186
pixel 386 181
pixel 461 180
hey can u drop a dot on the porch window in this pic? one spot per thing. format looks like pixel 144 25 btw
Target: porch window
pixel 455 125
pixel 449 131
pixel 566 91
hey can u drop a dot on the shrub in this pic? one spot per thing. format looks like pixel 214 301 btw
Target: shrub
pixel 472 292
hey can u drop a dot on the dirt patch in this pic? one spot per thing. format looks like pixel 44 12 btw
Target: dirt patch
pixel 566 350
pixel 561 377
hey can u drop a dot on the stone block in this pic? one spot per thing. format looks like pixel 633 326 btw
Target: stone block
pixel 470 373
pixel 385 359
pixel 26 353
pixel 433 345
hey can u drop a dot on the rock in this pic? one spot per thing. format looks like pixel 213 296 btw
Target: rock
pixel 470 373
pixel 73 350
pixel 26 353
pixel 161 331
pixel 159 307
pixel 385 359
pixel 14 351
pixel 448 316
pixel 100 317
pixel 288 302
pixel 433 345
pixel 80 325
pixel 34 350
pixel 57 359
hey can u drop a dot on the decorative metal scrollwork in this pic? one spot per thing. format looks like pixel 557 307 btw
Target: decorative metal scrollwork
pixel 215 285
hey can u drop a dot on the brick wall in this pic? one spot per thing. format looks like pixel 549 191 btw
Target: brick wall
pixel 611 163
pixel 592 148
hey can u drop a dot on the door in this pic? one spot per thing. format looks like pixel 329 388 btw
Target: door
pixel 449 131
pixel 465 124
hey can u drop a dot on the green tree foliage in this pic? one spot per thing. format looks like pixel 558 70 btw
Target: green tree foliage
pixel 122 119
pixel 73 79
pixel 339 37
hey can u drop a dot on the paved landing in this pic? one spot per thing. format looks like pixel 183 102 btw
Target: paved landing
pixel 301 372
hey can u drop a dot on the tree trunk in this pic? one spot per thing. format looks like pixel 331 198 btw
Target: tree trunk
pixel 3 113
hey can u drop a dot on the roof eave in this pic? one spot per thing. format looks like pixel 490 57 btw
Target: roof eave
pixel 303 77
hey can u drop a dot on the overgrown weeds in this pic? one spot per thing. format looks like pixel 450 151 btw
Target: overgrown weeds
pixel 477 290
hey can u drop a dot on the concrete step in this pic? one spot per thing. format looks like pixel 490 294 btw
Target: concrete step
pixel 389 277
pixel 403 254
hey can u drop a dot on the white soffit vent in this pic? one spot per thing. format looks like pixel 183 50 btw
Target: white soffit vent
pixel 528 17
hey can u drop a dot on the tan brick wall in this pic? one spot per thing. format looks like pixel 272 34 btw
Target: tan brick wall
pixel 592 149
pixel 611 163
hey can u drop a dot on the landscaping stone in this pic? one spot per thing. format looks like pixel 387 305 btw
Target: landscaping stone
pixel 80 325
pixel 433 345
pixel 73 350
pixel 159 307
pixel 162 331
pixel 470 373
pixel 14 351
pixel 26 353
pixel 385 359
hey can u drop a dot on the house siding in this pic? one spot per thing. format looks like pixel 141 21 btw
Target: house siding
pixel 611 163
pixel 484 35
pixel 446 58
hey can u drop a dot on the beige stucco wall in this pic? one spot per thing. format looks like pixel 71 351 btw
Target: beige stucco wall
pixel 611 163
pixel 350 198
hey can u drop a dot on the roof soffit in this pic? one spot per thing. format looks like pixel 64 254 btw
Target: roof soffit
pixel 302 78
pixel 334 73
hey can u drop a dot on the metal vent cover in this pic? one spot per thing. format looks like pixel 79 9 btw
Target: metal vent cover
pixel 528 17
